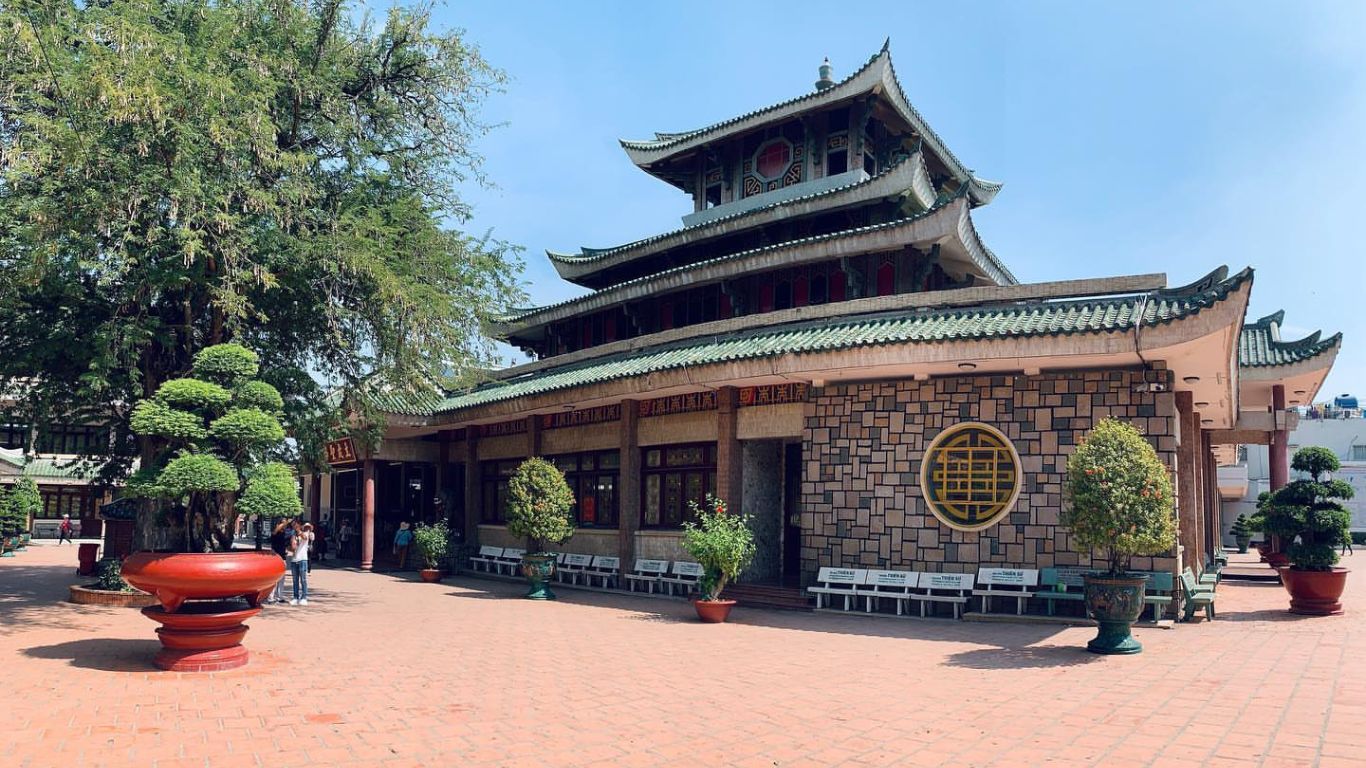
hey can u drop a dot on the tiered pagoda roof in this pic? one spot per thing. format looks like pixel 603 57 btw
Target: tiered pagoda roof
pixel 877 77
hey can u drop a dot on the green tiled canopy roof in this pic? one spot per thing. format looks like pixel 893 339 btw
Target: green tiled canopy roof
pixel 52 469
pixel 1260 345
pixel 1039 318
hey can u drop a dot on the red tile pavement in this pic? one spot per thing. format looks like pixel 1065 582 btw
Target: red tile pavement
pixel 383 670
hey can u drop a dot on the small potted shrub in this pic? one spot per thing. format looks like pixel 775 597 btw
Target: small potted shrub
pixel 1309 514
pixel 8 522
pixel 723 545
pixel 432 541
pixel 26 502
pixel 1119 503
pixel 539 501
pixel 1241 531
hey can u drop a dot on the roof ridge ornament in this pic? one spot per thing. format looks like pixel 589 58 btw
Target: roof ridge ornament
pixel 825 80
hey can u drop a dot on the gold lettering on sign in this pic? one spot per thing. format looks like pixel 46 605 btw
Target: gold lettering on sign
pixel 970 476
pixel 341 451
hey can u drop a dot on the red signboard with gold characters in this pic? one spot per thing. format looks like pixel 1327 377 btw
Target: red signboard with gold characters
pixel 341 451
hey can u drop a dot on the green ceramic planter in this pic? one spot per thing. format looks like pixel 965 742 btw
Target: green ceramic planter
pixel 1243 543
pixel 7 548
pixel 1115 602
pixel 538 569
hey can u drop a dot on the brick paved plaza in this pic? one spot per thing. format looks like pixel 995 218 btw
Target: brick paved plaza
pixel 384 670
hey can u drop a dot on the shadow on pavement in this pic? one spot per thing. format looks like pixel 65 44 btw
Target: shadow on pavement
pixel 29 593
pixel 639 607
pixel 1026 657
pixel 103 654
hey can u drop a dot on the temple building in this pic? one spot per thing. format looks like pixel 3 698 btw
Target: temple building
pixel 827 344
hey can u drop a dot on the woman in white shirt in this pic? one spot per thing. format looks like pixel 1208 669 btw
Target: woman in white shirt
pixel 298 561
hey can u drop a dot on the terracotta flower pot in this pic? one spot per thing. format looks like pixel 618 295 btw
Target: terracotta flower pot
pixel 430 575
pixel 203 636
pixel 713 611
pixel 175 578
pixel 1315 593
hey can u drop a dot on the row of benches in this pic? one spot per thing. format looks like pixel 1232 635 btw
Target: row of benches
pixel 571 567
pixel 1051 585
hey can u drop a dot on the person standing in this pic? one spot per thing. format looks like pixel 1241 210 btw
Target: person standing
pixel 344 538
pixel 298 562
pixel 64 531
pixel 402 539
pixel 279 544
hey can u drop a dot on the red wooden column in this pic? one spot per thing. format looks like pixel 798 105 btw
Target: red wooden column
pixel 367 516
pixel 628 492
pixel 1280 442
pixel 728 456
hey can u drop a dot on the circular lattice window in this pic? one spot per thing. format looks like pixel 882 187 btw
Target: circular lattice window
pixel 970 476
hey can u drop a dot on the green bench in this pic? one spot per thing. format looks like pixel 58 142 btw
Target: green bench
pixel 1068 585
pixel 1197 595
pixel 1060 584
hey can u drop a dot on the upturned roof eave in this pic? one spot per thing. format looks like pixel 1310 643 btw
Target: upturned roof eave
pixel 877 75
pixel 908 176
pixel 1032 319
pixel 616 294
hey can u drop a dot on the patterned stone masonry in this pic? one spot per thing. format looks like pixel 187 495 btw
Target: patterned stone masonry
pixel 863 443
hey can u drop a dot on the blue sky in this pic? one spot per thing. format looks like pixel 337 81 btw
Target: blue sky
pixel 1137 138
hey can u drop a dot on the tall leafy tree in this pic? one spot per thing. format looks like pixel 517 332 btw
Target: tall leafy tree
pixel 283 174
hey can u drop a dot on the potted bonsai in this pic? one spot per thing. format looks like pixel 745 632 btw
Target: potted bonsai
pixel 723 545
pixel 1241 531
pixel 539 503
pixel 1119 503
pixel 432 541
pixel 1309 514
pixel 217 432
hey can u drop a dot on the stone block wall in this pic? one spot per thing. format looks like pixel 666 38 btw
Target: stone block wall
pixel 863 444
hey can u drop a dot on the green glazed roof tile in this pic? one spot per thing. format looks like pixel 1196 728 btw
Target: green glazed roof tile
pixel 1041 318
pixel 1260 345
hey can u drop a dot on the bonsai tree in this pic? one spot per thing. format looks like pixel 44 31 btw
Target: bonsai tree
pixel 1309 513
pixel 539 501
pixel 8 515
pixel 1119 496
pixel 721 543
pixel 1241 531
pixel 27 503
pixel 433 541
pixel 219 444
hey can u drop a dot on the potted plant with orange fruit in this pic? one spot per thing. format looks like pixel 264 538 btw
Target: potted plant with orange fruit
pixel 723 544
pixel 1119 498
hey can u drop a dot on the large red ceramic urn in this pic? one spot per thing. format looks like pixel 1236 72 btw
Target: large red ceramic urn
pixel 204 598
pixel 1315 593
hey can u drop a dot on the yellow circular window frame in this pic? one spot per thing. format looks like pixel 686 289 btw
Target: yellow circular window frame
pixel 952 512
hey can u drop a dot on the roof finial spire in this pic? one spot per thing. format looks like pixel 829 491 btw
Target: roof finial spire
pixel 825 81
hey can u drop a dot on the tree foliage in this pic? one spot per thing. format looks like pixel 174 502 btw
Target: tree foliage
pixel 539 504
pixel 215 458
pixel 722 543
pixel 1119 496
pixel 176 174
pixel 1309 513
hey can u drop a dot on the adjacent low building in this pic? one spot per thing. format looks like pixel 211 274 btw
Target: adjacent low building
pixel 828 344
